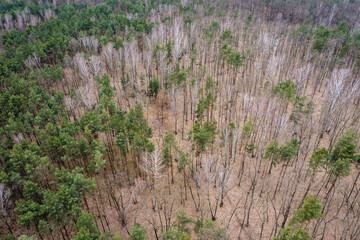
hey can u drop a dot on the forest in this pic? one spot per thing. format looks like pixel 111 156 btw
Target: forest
pixel 179 119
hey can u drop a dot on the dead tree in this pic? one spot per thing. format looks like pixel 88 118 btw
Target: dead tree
pixel 153 166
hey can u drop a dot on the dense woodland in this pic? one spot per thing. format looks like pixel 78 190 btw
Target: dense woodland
pixel 178 120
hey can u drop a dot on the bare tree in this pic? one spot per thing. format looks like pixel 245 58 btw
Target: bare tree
pixel 109 55
pixel 153 166
pixel 8 24
pixel 180 38
pixel 132 57
pixel 89 44
pixel 81 67
pixel 33 61
pixel 302 78
pixel 4 205
pixel 341 92
pixel 95 65
pixel 48 13
pixel 219 177
pixel 34 20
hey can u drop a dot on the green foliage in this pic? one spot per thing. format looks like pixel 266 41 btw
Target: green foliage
pixel 285 90
pixel 182 221
pixel 287 151
pixel 154 87
pixel 345 48
pixel 137 131
pixel 48 72
pixel 247 129
pixel 171 234
pixel 227 35
pixel 229 129
pixel 215 25
pixel 50 39
pixel 138 233
pixel 187 20
pixel 203 135
pixel 271 149
pixel 9 237
pixel 121 142
pixel 208 100
pixel 345 147
pixel 29 212
pixel 67 200
pixel 283 153
pixel 232 57
pixel 248 22
pixel 209 230
pixel 47 197
pixel 97 161
pixel 310 210
pixel 289 233
pixel 43 227
pixel 323 35
pixel 169 143
pixel 193 58
pixel 338 161
pixel 319 44
pixel 106 93
pixel 25 159
pixel 341 30
pixel 319 158
pixel 301 108
pixel 117 237
pixel 169 46
pixel 304 31
pixel 178 78
pixel 343 154
pixel 11 6
pixel 119 43
pixel 183 161
pixel 41 207
pixel 85 228
pixel 184 236
pixel 212 30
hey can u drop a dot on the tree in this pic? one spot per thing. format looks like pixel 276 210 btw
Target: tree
pixel 207 101
pixel 154 88
pixel 218 177
pixel 310 210
pixel 343 154
pixel 182 221
pixel 178 80
pixel 169 146
pixel 106 92
pixel 203 135
pixel 318 159
pixel 116 237
pixel 138 233
pixel 227 35
pixel 153 166
pixel 85 228
pixel 271 151
pixel 209 230
pixel 282 154
pixel 285 90
pixel 119 43
pixel 337 162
